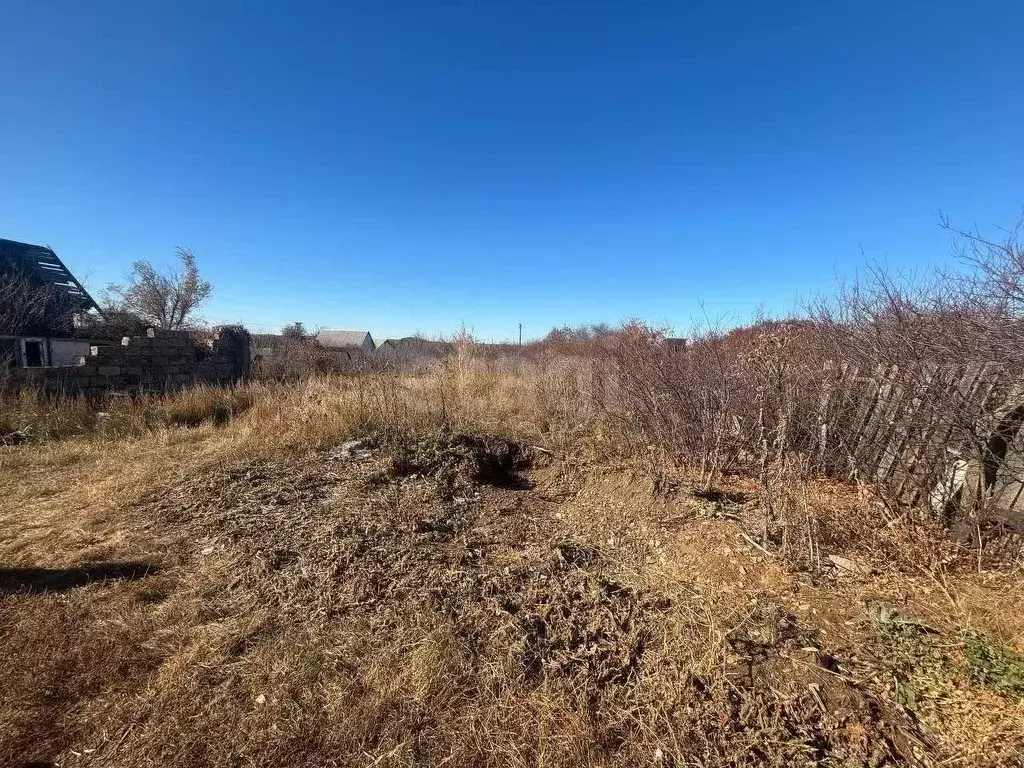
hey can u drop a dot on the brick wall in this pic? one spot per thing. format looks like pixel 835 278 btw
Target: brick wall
pixel 156 362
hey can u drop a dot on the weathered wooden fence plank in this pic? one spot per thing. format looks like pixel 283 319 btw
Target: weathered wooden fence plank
pixel 909 429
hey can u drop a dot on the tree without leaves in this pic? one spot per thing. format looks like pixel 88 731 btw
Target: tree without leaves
pixel 27 307
pixel 167 299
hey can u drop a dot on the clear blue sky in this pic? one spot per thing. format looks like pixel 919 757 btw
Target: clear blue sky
pixel 404 166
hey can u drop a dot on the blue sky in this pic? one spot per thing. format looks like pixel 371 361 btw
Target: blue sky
pixel 412 166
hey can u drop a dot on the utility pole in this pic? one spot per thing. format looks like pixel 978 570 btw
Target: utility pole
pixel 520 334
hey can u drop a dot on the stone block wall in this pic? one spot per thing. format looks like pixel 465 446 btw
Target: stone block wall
pixel 159 361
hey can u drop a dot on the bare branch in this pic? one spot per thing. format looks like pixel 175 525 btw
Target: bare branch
pixel 167 299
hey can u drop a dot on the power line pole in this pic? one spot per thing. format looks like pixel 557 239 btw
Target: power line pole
pixel 520 334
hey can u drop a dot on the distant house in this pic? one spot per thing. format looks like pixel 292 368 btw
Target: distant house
pixel 39 302
pixel 676 344
pixel 347 340
pixel 413 350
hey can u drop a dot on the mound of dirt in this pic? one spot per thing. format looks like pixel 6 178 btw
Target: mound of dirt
pixel 410 520
pixel 461 461
pixel 411 529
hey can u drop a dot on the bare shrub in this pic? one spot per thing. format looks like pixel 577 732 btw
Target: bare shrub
pixel 28 308
pixel 942 355
pixel 724 400
pixel 909 385
pixel 169 298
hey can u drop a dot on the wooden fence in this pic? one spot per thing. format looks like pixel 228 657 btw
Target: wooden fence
pixel 927 435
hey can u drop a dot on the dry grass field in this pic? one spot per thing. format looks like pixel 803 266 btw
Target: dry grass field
pixel 492 576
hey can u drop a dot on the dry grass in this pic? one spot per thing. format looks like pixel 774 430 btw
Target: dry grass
pixel 27 416
pixel 427 599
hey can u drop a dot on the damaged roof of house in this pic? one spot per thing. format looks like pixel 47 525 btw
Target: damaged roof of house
pixel 44 267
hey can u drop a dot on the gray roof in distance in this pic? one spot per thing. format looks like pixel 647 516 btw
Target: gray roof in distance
pixel 337 338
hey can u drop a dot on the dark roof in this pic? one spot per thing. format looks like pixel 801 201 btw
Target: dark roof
pixel 414 342
pixel 414 346
pixel 43 266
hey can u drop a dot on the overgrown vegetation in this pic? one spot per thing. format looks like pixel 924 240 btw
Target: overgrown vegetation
pixel 423 594
pixel 600 550
pixel 29 417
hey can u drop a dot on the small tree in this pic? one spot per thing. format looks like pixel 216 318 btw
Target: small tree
pixel 167 299
pixel 296 331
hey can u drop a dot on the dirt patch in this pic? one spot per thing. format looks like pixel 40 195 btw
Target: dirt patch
pixel 404 522
pixel 447 598
pixel 447 526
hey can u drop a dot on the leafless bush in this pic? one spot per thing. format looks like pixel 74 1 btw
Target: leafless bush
pixel 723 402
pixel 942 357
pixel 679 402
pixel 911 385
pixel 169 298
pixel 29 308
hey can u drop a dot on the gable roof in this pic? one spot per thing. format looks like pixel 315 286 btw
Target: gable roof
pixel 337 338
pixel 44 267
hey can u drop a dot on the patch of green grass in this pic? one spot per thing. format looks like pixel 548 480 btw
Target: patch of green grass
pixel 920 667
pixel 926 667
pixel 993 665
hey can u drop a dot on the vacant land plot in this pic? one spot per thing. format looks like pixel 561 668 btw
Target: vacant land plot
pixel 457 578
